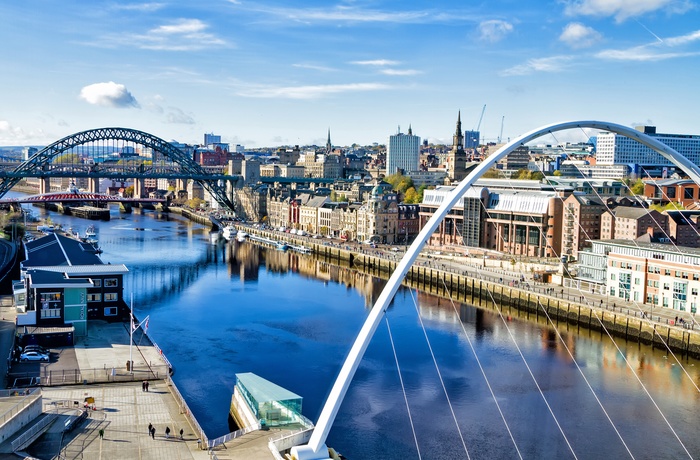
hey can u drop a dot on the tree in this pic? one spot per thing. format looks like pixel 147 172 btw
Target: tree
pixel 537 175
pixel 556 173
pixel 411 196
pixel 637 188
pixel 129 192
pixel 68 158
pixel 492 173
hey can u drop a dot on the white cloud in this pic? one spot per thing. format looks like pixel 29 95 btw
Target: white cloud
pixel 310 91
pixel 177 116
pixel 659 50
pixel 108 94
pixel 180 35
pixel 314 67
pixel 576 35
pixel 376 62
pixel 138 6
pixel 550 64
pixel 494 30
pixel 400 72
pixel 624 9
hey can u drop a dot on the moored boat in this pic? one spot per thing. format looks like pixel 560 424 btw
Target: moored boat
pixel 90 231
pixel 229 232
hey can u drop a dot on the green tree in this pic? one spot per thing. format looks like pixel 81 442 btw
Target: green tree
pixel 68 158
pixel 411 196
pixel 523 174
pixel 492 173
pixel 637 188
pixel 537 175
pixel 129 191
pixel 556 173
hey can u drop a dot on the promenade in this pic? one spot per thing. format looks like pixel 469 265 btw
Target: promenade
pixel 122 409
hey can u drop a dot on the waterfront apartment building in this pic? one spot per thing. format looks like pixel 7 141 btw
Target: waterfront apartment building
pixel 613 148
pixel 664 191
pixel 629 223
pixel 645 275
pixel 403 152
pixel 582 215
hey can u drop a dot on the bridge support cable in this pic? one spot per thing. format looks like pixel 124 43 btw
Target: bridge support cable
pixel 584 295
pixel 634 302
pixel 478 362
pixel 315 447
pixel 403 387
pixel 439 374
pixel 560 338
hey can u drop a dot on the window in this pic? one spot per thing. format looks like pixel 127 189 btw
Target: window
pixel 111 282
pixel 667 272
pixel 612 277
pixel 110 297
pixel 688 193
pixel 50 300
pixel 111 311
pixel 97 283
pixel 94 297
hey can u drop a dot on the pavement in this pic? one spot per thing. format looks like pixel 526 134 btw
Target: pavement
pixel 122 409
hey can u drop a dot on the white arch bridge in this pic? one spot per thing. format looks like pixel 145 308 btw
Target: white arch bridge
pixel 316 447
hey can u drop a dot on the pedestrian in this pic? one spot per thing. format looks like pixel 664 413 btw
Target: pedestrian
pixel 102 433
pixel 150 427
pixel 601 302
pixel 153 433
pixel 167 432
pixel 676 322
pixel 181 432
pixel 143 386
pixel 147 384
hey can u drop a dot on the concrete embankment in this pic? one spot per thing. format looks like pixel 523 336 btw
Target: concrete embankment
pixel 515 301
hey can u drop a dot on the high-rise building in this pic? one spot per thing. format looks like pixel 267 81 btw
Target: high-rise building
pixel 211 138
pixel 471 139
pixel 613 148
pixel 403 152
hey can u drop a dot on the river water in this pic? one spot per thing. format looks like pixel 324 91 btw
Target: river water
pixel 218 309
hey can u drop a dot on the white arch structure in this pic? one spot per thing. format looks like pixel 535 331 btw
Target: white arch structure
pixel 316 447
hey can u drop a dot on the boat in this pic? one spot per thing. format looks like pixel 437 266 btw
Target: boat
pixel 90 231
pixel 281 246
pixel 46 228
pixel 241 236
pixel 229 232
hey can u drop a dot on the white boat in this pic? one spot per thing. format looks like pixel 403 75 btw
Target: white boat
pixel 90 231
pixel 229 232
pixel 46 228
pixel 241 236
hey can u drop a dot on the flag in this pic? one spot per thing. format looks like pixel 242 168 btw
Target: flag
pixel 145 325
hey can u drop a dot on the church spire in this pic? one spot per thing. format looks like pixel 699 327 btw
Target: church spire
pixel 329 146
pixel 458 138
pixel 410 131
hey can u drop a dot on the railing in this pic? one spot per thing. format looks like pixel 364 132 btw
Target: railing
pixel 21 404
pixel 184 408
pixel 286 441
pixel 104 375
pixel 28 436
pixel 231 436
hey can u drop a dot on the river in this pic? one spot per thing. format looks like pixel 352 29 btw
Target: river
pixel 218 309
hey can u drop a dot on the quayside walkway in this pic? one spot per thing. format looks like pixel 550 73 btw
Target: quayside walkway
pixel 122 409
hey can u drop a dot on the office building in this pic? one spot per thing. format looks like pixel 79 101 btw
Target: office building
pixel 402 152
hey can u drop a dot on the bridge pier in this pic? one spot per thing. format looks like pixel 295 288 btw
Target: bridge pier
pixel 44 185
pixel 93 185
pixel 139 187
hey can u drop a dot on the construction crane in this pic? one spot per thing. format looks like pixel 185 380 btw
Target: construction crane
pixel 480 118
pixel 501 135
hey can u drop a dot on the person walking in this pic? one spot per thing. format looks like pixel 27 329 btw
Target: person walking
pixel 153 433
pixel 150 427
pixel 181 433
pixel 143 386
pixel 167 432
pixel 102 433
pixel 147 384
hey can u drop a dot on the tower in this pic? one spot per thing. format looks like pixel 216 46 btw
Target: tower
pixel 329 146
pixel 402 153
pixel 457 158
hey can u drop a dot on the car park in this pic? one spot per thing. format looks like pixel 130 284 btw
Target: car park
pixel 38 348
pixel 33 356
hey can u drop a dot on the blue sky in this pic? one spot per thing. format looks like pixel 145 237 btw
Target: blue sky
pixel 269 73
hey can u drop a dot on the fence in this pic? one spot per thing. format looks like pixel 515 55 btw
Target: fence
pixel 32 433
pixel 103 375
pixel 29 397
pixel 184 408
pixel 231 436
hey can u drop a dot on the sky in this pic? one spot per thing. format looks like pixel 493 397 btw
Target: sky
pixel 271 73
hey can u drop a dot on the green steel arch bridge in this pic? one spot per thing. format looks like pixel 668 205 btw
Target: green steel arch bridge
pixel 118 154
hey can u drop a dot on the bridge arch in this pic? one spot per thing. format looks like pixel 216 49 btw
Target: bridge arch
pixel 316 445
pixel 43 157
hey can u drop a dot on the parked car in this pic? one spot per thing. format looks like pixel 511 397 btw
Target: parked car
pixel 38 348
pixel 33 356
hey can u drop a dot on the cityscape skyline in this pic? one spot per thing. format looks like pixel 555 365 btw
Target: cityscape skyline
pixel 264 74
